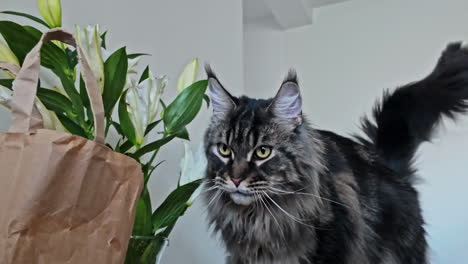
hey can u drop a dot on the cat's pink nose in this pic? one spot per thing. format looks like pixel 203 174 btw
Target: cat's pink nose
pixel 236 181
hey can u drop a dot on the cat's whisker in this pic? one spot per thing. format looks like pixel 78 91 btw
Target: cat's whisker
pixel 279 191
pixel 215 198
pixel 298 190
pixel 215 187
pixel 294 218
pixel 272 215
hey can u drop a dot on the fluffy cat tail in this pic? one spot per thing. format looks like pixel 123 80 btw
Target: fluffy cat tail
pixel 408 116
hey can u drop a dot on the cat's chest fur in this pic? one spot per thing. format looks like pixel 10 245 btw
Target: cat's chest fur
pixel 258 234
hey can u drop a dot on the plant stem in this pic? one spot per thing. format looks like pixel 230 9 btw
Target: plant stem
pixel 153 157
pixel 108 124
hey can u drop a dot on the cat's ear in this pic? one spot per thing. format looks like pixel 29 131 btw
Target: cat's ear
pixel 287 104
pixel 221 100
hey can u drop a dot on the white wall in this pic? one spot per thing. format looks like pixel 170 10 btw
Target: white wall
pixel 344 60
pixel 173 32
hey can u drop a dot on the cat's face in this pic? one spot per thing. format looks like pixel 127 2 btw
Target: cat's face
pixel 252 144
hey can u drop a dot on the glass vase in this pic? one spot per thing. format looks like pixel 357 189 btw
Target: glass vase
pixel 146 249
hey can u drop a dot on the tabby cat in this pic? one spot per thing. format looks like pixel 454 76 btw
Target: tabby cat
pixel 280 191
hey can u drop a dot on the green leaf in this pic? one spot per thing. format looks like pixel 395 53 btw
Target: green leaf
pixel 72 127
pixel 73 94
pixel 164 106
pixel 22 39
pixel 117 127
pixel 183 134
pixel 143 224
pixel 18 39
pixel 36 19
pixel 125 123
pixel 136 55
pixel 103 40
pixel 59 61
pixel 152 126
pixel 115 74
pixel 185 107
pixel 34 31
pixel 153 146
pixel 174 206
pixel 55 101
pixel 8 83
pixel 117 146
pixel 72 57
pixel 144 75
pixel 126 146
pixel 148 255
pixel 85 100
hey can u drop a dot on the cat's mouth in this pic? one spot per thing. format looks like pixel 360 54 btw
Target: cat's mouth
pixel 241 198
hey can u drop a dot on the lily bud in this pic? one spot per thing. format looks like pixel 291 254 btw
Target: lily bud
pixel 51 11
pixel 188 75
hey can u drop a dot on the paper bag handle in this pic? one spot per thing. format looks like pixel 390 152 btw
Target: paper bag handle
pixel 36 118
pixel 25 86
pixel 12 68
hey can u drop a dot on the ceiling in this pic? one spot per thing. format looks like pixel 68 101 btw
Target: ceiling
pixel 285 14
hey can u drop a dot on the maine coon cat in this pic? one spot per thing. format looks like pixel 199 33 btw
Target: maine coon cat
pixel 280 191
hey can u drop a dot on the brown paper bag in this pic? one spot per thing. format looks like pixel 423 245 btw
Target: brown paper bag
pixel 63 199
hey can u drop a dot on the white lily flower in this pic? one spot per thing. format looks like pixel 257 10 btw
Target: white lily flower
pixel 193 167
pixel 132 63
pixel 51 81
pixel 90 41
pixel 51 11
pixel 143 103
pixel 188 75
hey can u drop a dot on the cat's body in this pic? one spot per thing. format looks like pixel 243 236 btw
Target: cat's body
pixel 280 191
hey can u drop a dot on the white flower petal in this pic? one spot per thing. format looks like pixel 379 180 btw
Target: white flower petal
pixel 90 41
pixel 132 63
pixel 193 165
pixel 143 102
pixel 138 112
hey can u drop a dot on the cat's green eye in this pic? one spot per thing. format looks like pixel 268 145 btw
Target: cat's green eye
pixel 224 150
pixel 263 152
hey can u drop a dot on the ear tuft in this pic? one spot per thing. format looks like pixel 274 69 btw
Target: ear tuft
pixel 221 100
pixel 209 72
pixel 291 77
pixel 287 103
